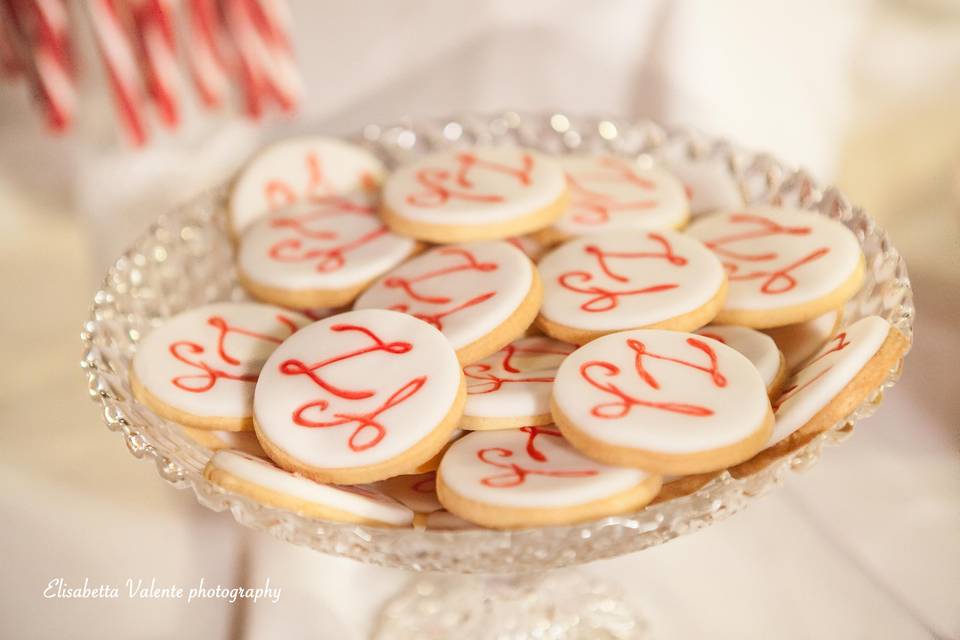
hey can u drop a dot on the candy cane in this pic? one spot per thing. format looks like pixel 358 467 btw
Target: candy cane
pixel 154 25
pixel 207 63
pixel 266 61
pixel 40 26
pixel 118 58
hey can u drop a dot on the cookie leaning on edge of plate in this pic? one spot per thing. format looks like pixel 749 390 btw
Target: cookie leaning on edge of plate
pixel 840 376
pixel 260 480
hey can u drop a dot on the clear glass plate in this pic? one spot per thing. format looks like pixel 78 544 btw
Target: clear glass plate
pixel 186 259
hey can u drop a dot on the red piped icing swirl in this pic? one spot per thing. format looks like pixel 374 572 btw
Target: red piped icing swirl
pixel 442 185
pixel 517 472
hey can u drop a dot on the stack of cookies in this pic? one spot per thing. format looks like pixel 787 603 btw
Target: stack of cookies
pixel 494 337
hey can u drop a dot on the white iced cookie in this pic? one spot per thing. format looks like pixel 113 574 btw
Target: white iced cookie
pixel 852 365
pixel 709 185
pixel 318 254
pixel 759 349
pixel 260 480
pixel 627 279
pixel 481 295
pixel 417 491
pixel 479 193
pixel 299 169
pixel 670 402
pixel 532 477
pixel 784 265
pixel 609 193
pixel 511 388
pixel 358 397
pixel 199 368
pixel 800 341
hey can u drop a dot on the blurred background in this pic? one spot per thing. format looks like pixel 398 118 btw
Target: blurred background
pixel 95 144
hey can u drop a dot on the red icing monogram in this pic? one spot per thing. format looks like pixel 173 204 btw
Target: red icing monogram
pixel 183 349
pixel 594 207
pixel 441 185
pixel 605 299
pixel 625 402
pixel 840 343
pixel 775 281
pixel 368 431
pixel 330 258
pixel 517 474
pixel 409 286
pixel 280 192
pixel 490 381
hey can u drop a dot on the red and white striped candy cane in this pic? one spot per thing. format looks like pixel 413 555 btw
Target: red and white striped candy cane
pixel 208 63
pixel 118 57
pixel 154 23
pixel 267 68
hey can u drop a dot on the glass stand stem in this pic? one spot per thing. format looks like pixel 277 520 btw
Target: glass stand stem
pixel 558 604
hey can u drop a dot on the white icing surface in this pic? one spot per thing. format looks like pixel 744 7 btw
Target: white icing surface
pixel 299 168
pixel 800 341
pixel 563 477
pixel 336 243
pixel 607 193
pixel 738 407
pixel 419 354
pixel 780 240
pixel 520 182
pixel 418 492
pixel 516 381
pixel 759 348
pixel 695 271
pixel 363 500
pixel 825 376
pixel 191 335
pixel 446 279
pixel 709 185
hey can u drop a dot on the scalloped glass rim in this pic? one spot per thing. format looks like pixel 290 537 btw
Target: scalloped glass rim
pixel 146 284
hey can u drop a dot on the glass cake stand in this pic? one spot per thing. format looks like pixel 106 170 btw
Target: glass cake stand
pixel 186 259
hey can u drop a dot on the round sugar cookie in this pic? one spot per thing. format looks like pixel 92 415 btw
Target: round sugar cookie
pixel 784 265
pixel 442 520
pixel 511 388
pixel 480 193
pixel 670 402
pixel 709 185
pixel 800 341
pixel 680 486
pixel 481 295
pixel 531 477
pixel 359 397
pixel 245 441
pixel 299 169
pixel 199 368
pixel 848 368
pixel 608 193
pixel 628 279
pixel 759 349
pixel 318 254
pixel 260 480
pixel 418 491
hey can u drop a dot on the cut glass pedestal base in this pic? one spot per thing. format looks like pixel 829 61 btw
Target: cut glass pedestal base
pixel 560 604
